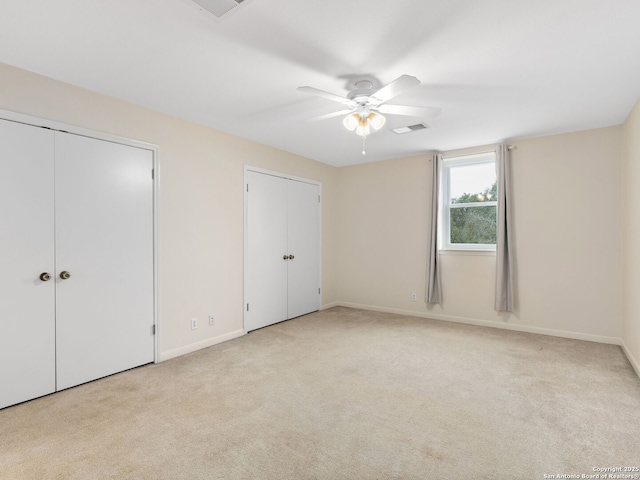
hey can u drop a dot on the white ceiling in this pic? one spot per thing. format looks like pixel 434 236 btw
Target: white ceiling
pixel 499 69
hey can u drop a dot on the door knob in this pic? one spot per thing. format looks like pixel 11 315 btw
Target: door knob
pixel 285 257
pixel 45 277
pixel 64 275
pixel 291 257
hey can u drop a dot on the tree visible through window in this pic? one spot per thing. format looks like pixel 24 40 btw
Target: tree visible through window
pixel 475 224
pixel 469 202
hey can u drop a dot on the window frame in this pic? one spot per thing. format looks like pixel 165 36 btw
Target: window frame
pixel 448 163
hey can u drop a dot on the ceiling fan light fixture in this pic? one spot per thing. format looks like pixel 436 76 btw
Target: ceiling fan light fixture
pixel 376 120
pixel 350 122
pixel 362 124
pixel 363 127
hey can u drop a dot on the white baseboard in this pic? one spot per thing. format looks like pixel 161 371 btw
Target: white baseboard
pixel 632 360
pixel 330 305
pixel 176 352
pixel 488 323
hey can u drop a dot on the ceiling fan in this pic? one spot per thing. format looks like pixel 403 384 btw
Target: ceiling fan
pixel 365 105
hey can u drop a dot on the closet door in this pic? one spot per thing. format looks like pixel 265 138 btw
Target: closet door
pixel 266 225
pixel 303 227
pixel 27 335
pixel 283 249
pixel 104 240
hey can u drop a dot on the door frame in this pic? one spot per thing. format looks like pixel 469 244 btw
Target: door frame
pixel 247 169
pixel 155 151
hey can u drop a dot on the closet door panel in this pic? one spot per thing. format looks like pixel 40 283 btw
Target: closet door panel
pixel 266 247
pixel 104 239
pixel 27 324
pixel 303 229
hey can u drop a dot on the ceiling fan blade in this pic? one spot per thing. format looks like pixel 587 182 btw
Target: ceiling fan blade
pixel 329 115
pixel 327 95
pixel 396 87
pixel 422 112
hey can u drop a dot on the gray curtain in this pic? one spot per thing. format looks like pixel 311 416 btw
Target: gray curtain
pixel 434 284
pixel 504 244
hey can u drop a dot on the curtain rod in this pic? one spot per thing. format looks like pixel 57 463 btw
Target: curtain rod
pixel 509 147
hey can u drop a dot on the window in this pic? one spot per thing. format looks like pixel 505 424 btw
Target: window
pixel 469 202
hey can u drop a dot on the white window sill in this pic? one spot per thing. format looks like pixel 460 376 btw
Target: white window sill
pixel 482 253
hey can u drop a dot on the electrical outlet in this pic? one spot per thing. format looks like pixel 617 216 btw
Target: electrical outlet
pixel 212 320
pixel 413 297
pixel 194 323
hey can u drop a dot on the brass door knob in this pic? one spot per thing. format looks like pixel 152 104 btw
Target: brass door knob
pixel 45 277
pixel 64 275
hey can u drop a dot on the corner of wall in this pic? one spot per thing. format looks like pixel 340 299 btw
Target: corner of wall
pixel 630 311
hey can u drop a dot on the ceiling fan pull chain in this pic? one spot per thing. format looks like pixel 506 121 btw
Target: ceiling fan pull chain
pixel 364 137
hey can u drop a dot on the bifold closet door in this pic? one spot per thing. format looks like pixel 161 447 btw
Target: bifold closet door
pixel 104 240
pixel 283 249
pixel 266 249
pixel 303 239
pixel 27 326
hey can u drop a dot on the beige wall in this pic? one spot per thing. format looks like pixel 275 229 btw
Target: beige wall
pixel 201 201
pixel 566 232
pixel 631 238
pixel 375 225
pixel 383 225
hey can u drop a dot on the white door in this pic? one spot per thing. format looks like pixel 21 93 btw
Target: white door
pixel 27 335
pixel 266 235
pixel 283 249
pixel 304 245
pixel 104 240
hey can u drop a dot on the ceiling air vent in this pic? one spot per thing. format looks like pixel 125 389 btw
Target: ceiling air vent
pixel 410 128
pixel 218 7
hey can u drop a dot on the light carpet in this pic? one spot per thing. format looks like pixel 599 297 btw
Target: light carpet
pixel 342 394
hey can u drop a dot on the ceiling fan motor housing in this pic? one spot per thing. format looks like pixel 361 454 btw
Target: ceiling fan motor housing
pixel 361 95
